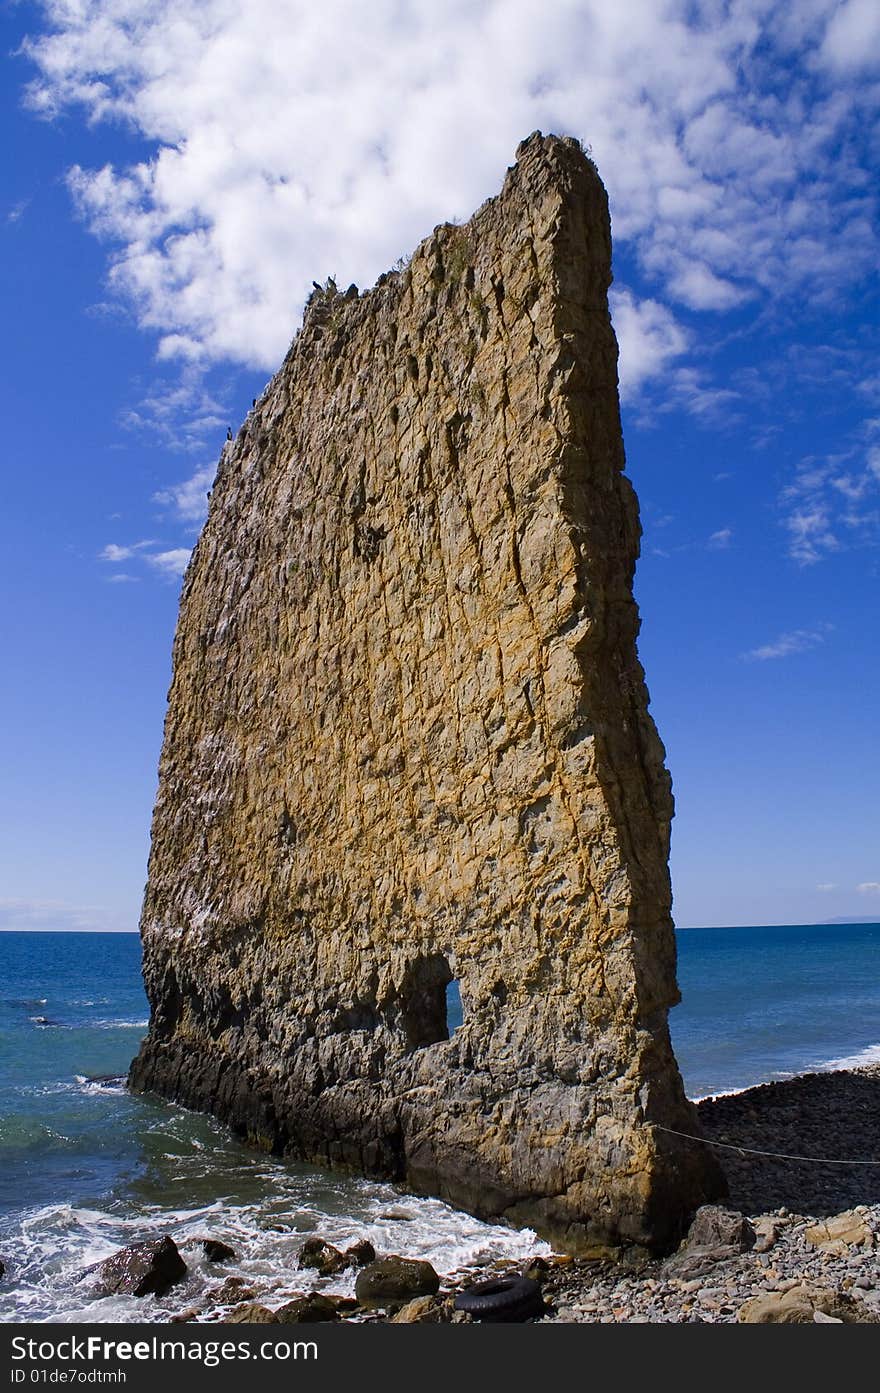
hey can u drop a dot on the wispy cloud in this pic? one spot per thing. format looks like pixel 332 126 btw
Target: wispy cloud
pixel 17 211
pixel 180 414
pixel 188 499
pixel 833 502
pixel 171 564
pixel 720 540
pixel 168 563
pixel 114 553
pixel 795 641
pixel 826 886
pixel 869 887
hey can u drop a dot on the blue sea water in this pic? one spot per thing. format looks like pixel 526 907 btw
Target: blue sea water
pixel 765 1003
pixel 86 1167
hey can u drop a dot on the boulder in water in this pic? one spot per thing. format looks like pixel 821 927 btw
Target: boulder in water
pixel 307 1310
pixel 251 1313
pixel 217 1251
pixel 142 1269
pixel 322 1256
pixel 360 1253
pixel 394 1281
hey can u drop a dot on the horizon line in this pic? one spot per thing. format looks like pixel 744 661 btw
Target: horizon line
pixel 841 923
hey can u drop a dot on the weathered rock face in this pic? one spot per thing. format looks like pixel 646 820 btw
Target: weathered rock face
pixel 408 741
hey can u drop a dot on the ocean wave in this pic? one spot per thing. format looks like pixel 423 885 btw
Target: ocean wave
pixel 719 1093
pixel 54 1246
pixel 869 1055
pixel 118 1025
pixel 26 1002
pixel 99 1084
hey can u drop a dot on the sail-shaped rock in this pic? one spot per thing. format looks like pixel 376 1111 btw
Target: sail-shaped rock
pixel 408 742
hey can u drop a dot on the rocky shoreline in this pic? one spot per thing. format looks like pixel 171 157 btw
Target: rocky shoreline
pixel 795 1241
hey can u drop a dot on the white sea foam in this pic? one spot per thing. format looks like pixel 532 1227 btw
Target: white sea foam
pixel 118 1025
pixel 869 1055
pixel 113 1084
pixel 53 1246
pixel 719 1093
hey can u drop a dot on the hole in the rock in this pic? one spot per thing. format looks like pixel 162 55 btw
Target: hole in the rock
pixel 454 1014
pixel 423 1000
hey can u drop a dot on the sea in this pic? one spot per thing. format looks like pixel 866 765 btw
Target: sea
pixel 86 1167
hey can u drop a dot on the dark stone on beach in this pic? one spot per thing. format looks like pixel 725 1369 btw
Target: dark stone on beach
pixel 394 1281
pixel 322 1256
pixel 251 1313
pixel 715 1235
pixel 536 1269
pixel 217 1251
pixel 142 1269
pixel 2 1268
pixel 360 1253
pixel 714 1227
pixel 307 1310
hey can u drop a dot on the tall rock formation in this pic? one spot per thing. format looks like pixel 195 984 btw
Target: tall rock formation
pixel 408 742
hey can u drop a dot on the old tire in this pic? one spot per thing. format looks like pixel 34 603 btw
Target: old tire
pixel 502 1299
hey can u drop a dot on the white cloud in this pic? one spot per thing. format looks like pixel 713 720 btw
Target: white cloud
pixel 171 563
pixel 180 414
pixel 688 388
pixel 720 540
pixel 869 887
pixel 829 495
pixel 852 39
pixel 649 337
pixel 291 141
pixel 795 641
pixel 115 553
pixel 189 498
pixel 826 886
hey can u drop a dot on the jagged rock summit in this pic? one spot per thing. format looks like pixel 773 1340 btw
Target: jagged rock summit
pixel 408 742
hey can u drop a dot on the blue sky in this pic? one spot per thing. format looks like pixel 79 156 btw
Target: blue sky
pixel 175 175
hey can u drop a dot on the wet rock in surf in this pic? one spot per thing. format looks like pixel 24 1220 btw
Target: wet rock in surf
pixel 360 1253
pixel 142 1269
pixel 251 1313
pixel 322 1256
pixel 394 1281
pixel 307 1310
pixel 217 1251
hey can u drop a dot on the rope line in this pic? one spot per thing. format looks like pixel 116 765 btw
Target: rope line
pixel 750 1150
